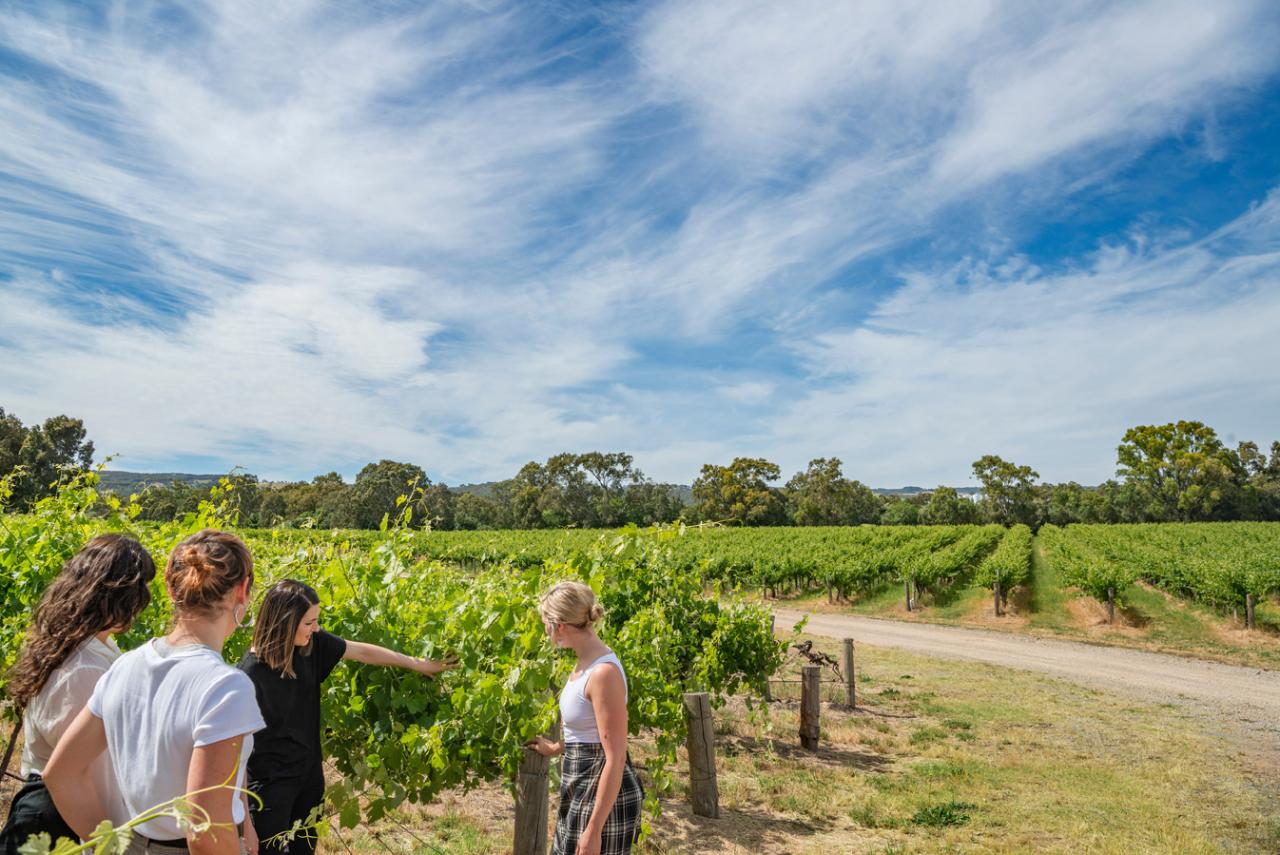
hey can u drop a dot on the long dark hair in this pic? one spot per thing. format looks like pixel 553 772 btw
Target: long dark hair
pixel 104 585
pixel 276 626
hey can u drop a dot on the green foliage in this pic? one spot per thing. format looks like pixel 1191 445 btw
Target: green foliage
pixel 946 558
pixel 821 495
pixel 378 489
pixel 1216 563
pixel 1009 564
pixel 947 507
pixel 394 735
pixel 1083 565
pixel 36 458
pixel 942 815
pixel 901 512
pixel 739 493
pixel 1181 468
pixel 1008 490
pixel 397 737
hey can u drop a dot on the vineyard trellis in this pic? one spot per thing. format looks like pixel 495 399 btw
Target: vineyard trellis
pixel 392 736
pixel 1228 566
pixel 672 613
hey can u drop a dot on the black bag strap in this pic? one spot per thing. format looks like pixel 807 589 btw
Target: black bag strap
pixel 8 752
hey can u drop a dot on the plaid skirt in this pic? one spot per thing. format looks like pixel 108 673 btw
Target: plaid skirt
pixel 579 778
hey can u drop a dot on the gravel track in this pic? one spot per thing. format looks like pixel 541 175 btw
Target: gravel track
pixel 1244 698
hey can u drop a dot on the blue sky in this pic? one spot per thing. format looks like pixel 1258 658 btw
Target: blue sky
pixel 469 235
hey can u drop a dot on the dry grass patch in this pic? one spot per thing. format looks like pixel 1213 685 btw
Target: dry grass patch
pixel 940 757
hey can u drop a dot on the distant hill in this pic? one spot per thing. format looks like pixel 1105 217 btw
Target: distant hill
pixel 913 491
pixel 484 489
pixel 124 483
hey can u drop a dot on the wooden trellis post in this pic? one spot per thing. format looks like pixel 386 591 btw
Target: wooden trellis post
pixel 701 743
pixel 850 693
pixel 773 633
pixel 810 707
pixel 531 802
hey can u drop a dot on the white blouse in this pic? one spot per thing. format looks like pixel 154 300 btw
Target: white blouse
pixel 51 712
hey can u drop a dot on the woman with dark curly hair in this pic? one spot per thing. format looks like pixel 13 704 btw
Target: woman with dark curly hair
pixel 100 591
pixel 174 717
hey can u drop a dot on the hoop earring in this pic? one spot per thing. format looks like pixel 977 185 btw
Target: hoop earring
pixel 244 607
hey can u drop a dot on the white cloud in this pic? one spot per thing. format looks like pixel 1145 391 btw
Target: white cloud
pixel 1132 71
pixel 748 391
pixel 339 236
pixel 805 76
pixel 1048 369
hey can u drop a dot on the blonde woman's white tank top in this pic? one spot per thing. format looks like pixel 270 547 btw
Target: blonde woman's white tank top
pixel 576 712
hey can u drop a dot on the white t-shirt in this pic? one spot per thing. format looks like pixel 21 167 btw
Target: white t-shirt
pixel 158 704
pixel 51 712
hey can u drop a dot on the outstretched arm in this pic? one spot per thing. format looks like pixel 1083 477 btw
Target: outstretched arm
pixel 372 654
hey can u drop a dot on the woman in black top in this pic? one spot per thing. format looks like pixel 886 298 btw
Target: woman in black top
pixel 290 659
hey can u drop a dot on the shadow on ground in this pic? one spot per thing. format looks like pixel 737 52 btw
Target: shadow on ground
pixel 753 830
pixel 865 761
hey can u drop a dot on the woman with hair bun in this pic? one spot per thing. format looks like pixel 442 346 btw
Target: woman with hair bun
pixel 173 717
pixel 99 592
pixel 600 794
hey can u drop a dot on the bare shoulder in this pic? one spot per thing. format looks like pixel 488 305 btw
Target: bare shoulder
pixel 606 677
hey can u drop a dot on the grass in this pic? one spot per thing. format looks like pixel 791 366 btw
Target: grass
pixel 943 814
pixel 1047 603
pixel 943 757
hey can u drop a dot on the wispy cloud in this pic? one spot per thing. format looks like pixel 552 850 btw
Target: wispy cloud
pixel 303 237
pixel 1051 368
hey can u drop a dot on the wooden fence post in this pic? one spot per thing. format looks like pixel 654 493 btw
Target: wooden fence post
pixel 995 590
pixel 1249 605
pixel 1111 605
pixel 701 743
pixel 773 633
pixel 850 694
pixel 810 707
pixel 531 803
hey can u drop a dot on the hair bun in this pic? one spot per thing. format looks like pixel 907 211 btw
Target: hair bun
pixel 196 562
pixel 204 568
pixel 597 612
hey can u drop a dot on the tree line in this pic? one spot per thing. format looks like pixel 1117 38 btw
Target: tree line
pixel 1180 471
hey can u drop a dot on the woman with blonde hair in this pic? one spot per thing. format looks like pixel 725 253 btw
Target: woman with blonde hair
pixel 174 718
pixel 600 794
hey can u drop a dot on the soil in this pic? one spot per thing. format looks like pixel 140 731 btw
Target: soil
pixel 1090 615
pixel 983 614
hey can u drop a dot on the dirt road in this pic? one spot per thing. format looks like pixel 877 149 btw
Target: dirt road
pixel 1246 696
